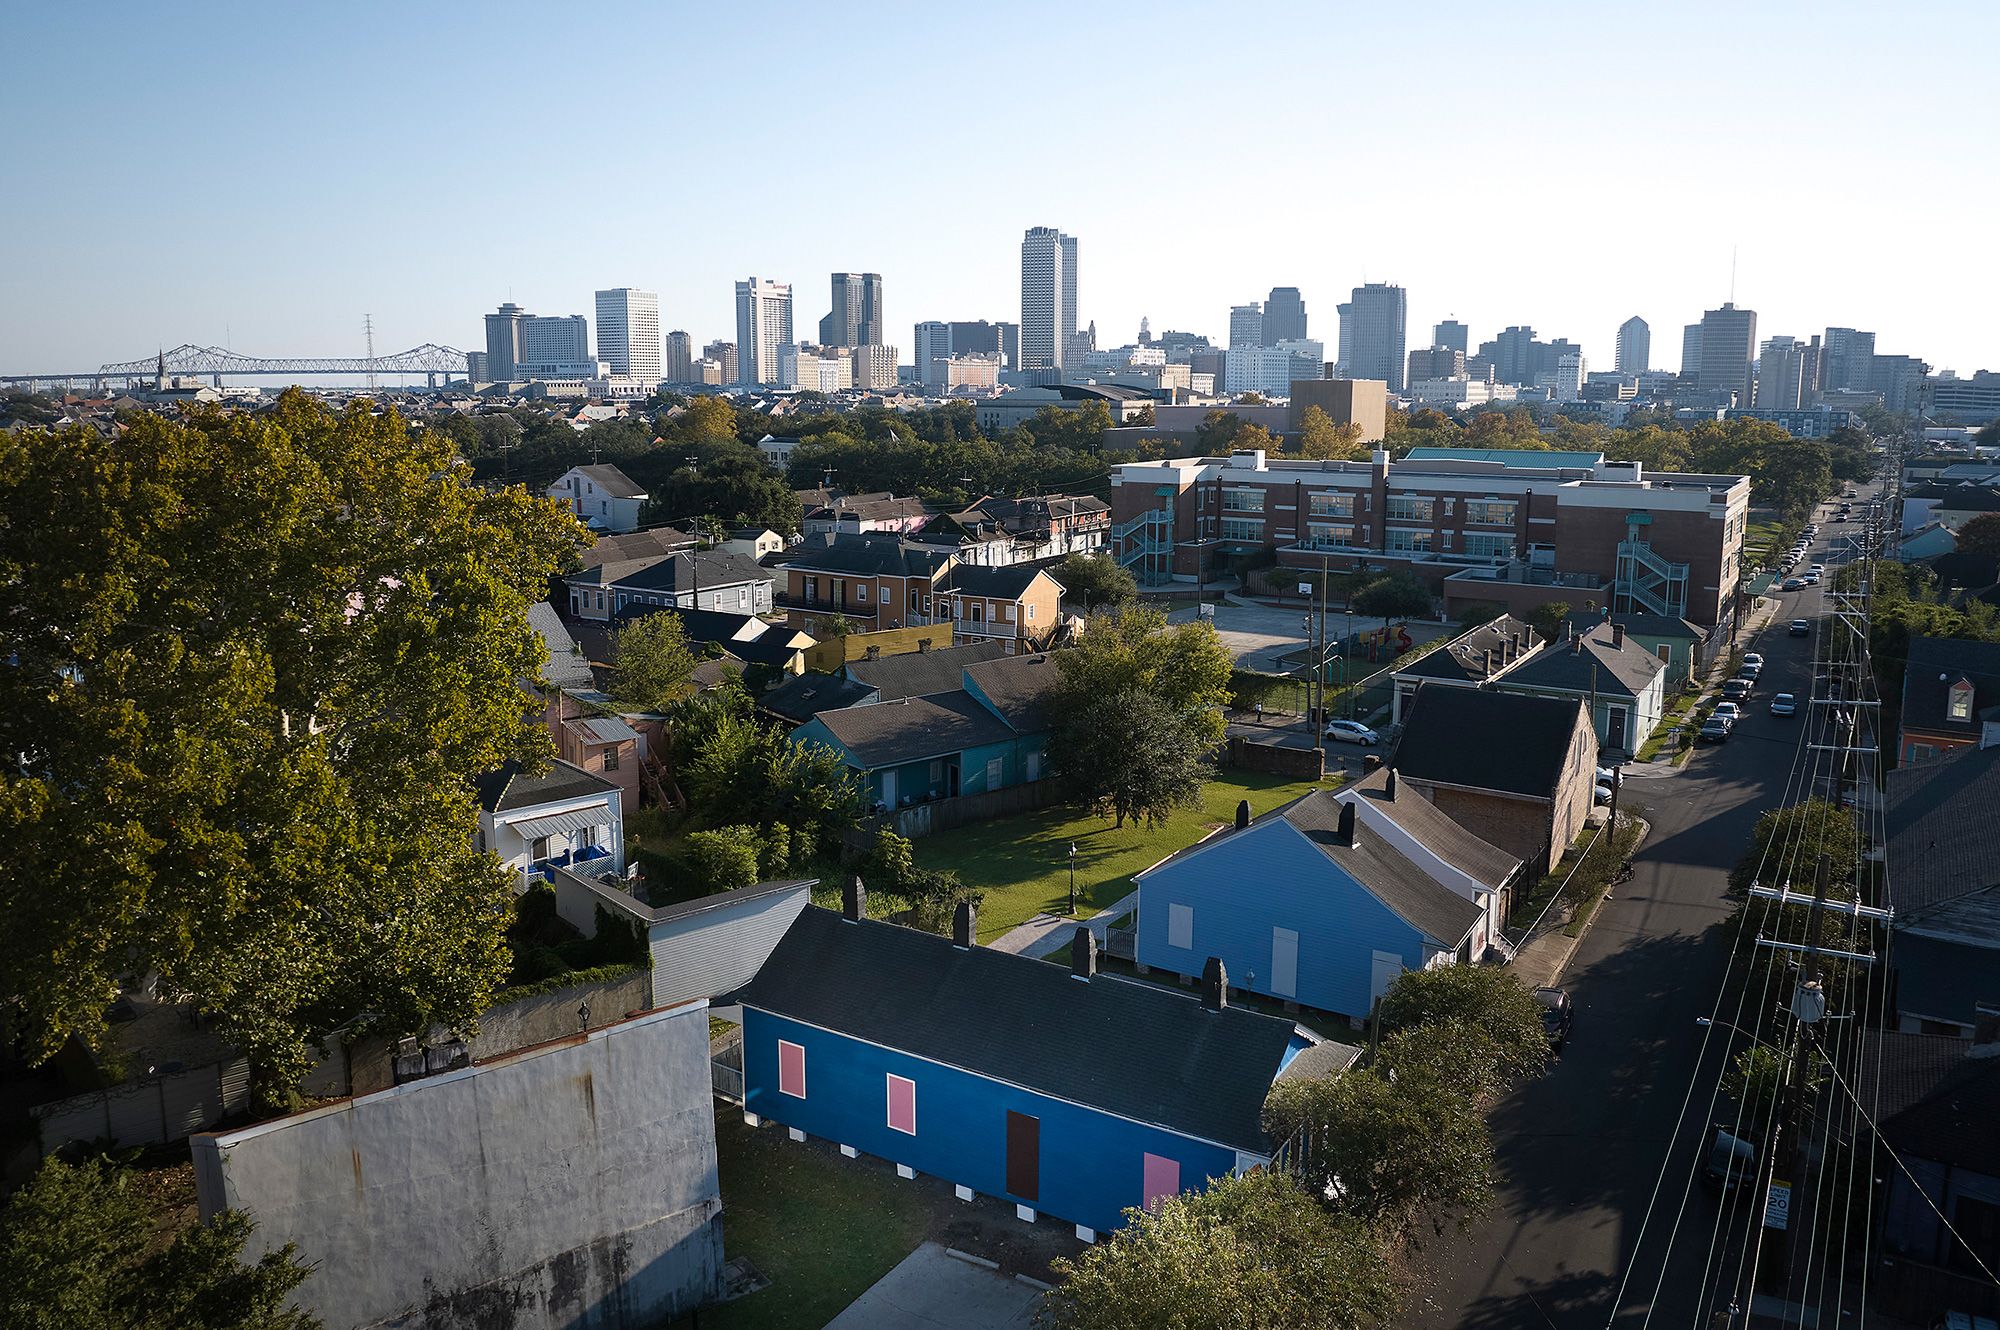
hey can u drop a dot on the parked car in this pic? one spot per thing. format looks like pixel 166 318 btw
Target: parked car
pixel 1800 628
pixel 1793 584
pixel 1736 690
pixel 1602 793
pixel 1352 732
pixel 1810 579
pixel 1715 729
pixel 1728 711
pixel 1816 567
pixel 1784 704
pixel 1752 668
pixel 1732 1162
pixel 1557 1014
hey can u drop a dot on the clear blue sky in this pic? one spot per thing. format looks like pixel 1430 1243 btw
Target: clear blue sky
pixel 270 173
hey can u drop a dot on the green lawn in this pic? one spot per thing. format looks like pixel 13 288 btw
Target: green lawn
pixel 819 1227
pixel 1022 862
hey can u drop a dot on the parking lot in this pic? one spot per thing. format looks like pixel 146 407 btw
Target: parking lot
pixel 1261 637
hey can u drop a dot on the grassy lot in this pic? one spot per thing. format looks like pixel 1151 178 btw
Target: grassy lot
pixel 1022 862
pixel 819 1227
pixel 1678 710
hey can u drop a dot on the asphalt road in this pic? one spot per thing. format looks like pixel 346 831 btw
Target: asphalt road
pixel 1582 1149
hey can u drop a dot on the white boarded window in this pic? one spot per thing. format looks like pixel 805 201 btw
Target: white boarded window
pixel 1180 926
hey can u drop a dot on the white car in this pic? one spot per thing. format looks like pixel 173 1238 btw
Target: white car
pixel 1352 732
pixel 1784 704
pixel 1728 711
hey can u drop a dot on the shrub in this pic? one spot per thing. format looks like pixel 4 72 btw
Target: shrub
pixel 724 859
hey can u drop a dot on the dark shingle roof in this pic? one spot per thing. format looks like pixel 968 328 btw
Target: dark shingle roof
pixel 613 481
pixel 1465 658
pixel 1005 583
pixel 1937 1103
pixel 1943 840
pixel 1436 831
pixel 509 786
pixel 1935 664
pixel 871 554
pixel 1487 740
pixel 804 696
pixel 689 571
pixel 637 545
pixel 883 734
pixel 1594 662
pixel 1959 498
pixel 922 673
pixel 1018 687
pixel 1419 899
pixel 1134 1049
pixel 1634 621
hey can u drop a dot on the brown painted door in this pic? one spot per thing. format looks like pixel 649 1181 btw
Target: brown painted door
pixel 1024 1155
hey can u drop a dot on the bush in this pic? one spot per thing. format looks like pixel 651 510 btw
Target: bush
pixel 889 861
pixel 1247 688
pixel 724 859
pixel 776 850
pixel 934 897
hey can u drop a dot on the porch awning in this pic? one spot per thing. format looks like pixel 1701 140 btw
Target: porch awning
pixel 560 824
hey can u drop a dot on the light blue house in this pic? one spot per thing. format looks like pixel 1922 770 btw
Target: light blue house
pixel 987 735
pixel 1067 1092
pixel 1305 905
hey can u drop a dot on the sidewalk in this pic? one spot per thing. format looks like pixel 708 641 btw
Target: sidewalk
pixel 1046 934
pixel 1541 961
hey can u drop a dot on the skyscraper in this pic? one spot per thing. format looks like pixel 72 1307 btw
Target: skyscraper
pixel 1728 345
pixel 628 332
pixel 1849 360
pixel 1691 352
pixel 503 341
pixel 1048 296
pixel 1781 374
pixel 856 316
pixel 1246 325
pixel 1284 316
pixel 680 357
pixel 933 344
pixel 1453 335
pixel 1635 346
pixel 1373 335
pixel 763 324
pixel 558 339
pixel 724 354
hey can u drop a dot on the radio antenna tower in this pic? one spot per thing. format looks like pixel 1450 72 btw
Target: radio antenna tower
pixel 368 327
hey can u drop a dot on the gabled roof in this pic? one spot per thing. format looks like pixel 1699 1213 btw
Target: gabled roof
pixel 689 571
pixel 1590 662
pixel 869 508
pixel 1938 1103
pixel 744 636
pixel 638 545
pixel 1935 665
pixel 1420 900
pixel 869 554
pixel 1500 644
pixel 1008 582
pixel 922 673
pixel 1137 1050
pixel 803 696
pixel 1018 687
pixel 601 729
pixel 1436 830
pixel 1959 498
pixel 1487 740
pixel 1943 838
pixel 884 734
pixel 568 667
pixel 1634 621
pixel 611 480
pixel 510 786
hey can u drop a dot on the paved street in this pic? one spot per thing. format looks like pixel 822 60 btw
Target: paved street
pixel 1581 1149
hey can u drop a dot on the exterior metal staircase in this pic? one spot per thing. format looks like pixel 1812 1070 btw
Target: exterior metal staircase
pixel 1146 545
pixel 1648 582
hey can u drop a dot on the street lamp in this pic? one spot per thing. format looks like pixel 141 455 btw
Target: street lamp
pixel 1072 879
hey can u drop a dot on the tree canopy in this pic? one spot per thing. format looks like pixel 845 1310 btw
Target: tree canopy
pixel 1397 596
pixel 1136 712
pixel 1320 438
pixel 655 663
pixel 78 1252
pixel 1981 535
pixel 255 665
pixel 1250 1252
pixel 1096 580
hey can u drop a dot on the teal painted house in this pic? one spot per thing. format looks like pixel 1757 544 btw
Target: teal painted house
pixel 987 735
pixel 1676 642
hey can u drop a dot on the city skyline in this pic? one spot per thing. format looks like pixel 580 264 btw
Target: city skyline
pixel 282 247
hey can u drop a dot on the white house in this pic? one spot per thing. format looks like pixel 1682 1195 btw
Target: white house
pixel 778 451
pixel 753 542
pixel 564 818
pixel 602 497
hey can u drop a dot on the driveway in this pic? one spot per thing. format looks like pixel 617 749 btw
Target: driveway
pixel 1582 1149
pixel 934 1290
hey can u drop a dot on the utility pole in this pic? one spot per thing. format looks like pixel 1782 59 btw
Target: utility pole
pixel 1319 667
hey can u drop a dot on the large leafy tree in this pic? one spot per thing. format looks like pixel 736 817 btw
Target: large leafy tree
pixel 1981 535
pixel 1397 596
pixel 1491 1025
pixel 655 663
pixel 725 481
pixel 1320 438
pixel 78 1252
pixel 253 663
pixel 1096 580
pixel 1136 712
pixel 1249 1252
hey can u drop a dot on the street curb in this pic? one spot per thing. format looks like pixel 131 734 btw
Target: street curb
pixel 1568 951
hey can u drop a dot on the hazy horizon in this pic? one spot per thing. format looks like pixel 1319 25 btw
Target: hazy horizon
pixel 263 179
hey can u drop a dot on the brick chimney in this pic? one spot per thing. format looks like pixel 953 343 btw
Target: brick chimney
pixel 1487 665
pixel 1242 814
pixel 874 653
pixel 1214 984
pixel 1618 636
pixel 1389 785
pixel 1346 833
pixel 965 925
pixel 1083 954
pixel 923 646
pixel 854 899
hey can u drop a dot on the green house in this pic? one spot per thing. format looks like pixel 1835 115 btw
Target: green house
pixel 1675 641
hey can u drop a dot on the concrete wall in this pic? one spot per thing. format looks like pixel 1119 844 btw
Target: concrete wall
pixel 1274 759
pixel 569 1185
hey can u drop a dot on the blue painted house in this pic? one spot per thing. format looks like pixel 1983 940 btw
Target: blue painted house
pixel 1064 1091
pixel 986 735
pixel 1304 904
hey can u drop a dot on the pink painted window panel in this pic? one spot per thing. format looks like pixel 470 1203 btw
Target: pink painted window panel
pixel 903 1105
pixel 791 1069
pixel 1163 1178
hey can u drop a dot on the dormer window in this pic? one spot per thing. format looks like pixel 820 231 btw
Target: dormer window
pixel 1960 706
